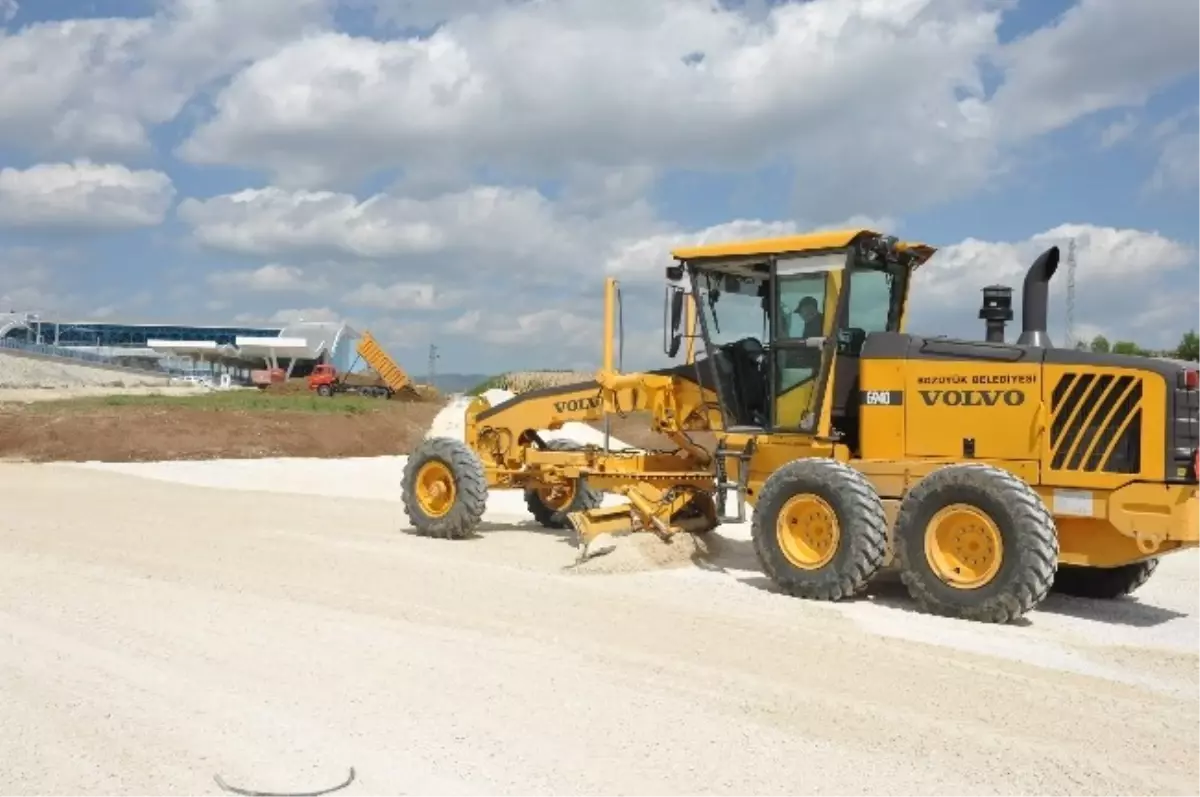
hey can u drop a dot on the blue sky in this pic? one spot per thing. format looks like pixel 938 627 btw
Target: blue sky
pixel 210 161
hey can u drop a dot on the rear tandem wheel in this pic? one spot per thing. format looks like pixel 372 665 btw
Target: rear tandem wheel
pixel 974 542
pixel 444 489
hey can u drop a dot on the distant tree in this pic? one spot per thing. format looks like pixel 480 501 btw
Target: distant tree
pixel 1189 347
pixel 1129 347
pixel 1100 344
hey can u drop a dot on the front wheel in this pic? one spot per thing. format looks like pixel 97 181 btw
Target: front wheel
pixel 974 542
pixel 819 529
pixel 444 489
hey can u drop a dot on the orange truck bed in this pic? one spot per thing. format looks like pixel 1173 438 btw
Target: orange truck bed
pixel 389 371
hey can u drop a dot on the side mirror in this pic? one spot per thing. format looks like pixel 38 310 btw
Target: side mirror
pixel 672 320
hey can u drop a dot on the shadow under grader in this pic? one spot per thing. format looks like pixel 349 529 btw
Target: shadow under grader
pixel 1127 611
pixel 886 589
pixel 721 554
pixel 486 527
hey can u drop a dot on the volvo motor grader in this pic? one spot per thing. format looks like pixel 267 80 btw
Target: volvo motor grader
pixel 986 471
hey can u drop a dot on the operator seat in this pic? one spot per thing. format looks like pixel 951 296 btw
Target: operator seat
pixel 747 358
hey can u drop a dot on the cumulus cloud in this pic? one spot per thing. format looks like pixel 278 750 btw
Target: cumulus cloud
pixel 401 296
pixel 1130 284
pixel 1178 166
pixel 83 195
pixel 94 86
pixel 488 231
pixel 333 106
pixel 1100 54
pixel 292 316
pixel 271 278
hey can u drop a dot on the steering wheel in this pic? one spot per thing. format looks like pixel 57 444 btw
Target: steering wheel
pixel 750 347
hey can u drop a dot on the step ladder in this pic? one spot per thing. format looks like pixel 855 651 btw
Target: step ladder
pixel 724 485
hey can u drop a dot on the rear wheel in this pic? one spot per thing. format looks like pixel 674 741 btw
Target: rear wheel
pixel 976 543
pixel 819 529
pixel 551 505
pixel 1103 583
pixel 444 489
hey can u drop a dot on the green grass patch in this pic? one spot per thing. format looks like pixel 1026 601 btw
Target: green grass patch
pixel 225 401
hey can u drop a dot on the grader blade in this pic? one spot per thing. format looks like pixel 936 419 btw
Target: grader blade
pixel 667 514
pixel 606 521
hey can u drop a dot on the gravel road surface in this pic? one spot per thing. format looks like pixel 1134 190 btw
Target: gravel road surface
pixel 159 631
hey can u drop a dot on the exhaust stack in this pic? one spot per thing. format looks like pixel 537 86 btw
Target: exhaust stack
pixel 996 311
pixel 1035 300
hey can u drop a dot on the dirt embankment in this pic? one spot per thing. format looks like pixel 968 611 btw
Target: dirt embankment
pixel 134 432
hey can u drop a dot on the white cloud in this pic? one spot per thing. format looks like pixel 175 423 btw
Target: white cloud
pixel 1118 131
pixel 94 86
pixel 8 10
pixel 1130 284
pixel 1100 54
pixel 83 194
pixel 482 233
pixel 292 316
pixel 421 13
pixel 397 296
pixel 607 91
pixel 271 278
pixel 644 259
pixel 1178 166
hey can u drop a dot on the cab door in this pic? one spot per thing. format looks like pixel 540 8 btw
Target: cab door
pixel 813 281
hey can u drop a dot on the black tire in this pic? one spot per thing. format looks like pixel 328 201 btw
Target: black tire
pixel 1103 583
pixel 324 390
pixel 1028 549
pixel 584 498
pixel 470 489
pixel 862 541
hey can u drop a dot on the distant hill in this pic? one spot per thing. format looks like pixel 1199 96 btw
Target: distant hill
pixel 456 383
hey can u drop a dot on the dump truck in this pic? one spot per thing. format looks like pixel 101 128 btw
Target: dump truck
pixel 986 472
pixel 326 381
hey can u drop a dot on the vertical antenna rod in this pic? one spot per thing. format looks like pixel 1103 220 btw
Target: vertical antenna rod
pixel 1071 341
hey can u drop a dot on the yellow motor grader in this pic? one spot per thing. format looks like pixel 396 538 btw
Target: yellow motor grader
pixel 987 472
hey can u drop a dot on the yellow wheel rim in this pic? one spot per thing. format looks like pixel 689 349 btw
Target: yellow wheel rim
pixel 808 531
pixel 558 496
pixel 963 546
pixel 435 488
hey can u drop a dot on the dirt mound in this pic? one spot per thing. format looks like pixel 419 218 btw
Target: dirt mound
pixel 643 551
pixel 147 432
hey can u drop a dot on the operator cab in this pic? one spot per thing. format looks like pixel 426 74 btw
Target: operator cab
pixel 778 316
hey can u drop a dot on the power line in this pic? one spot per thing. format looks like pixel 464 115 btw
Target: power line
pixel 433 358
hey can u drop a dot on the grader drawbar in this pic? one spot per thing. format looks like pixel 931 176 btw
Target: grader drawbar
pixel 986 472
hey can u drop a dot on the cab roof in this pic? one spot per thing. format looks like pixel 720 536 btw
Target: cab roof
pixel 808 242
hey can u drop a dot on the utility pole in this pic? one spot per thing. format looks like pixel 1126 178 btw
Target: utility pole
pixel 433 358
pixel 1071 294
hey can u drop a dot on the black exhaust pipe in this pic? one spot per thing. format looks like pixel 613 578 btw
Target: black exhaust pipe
pixel 1035 300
